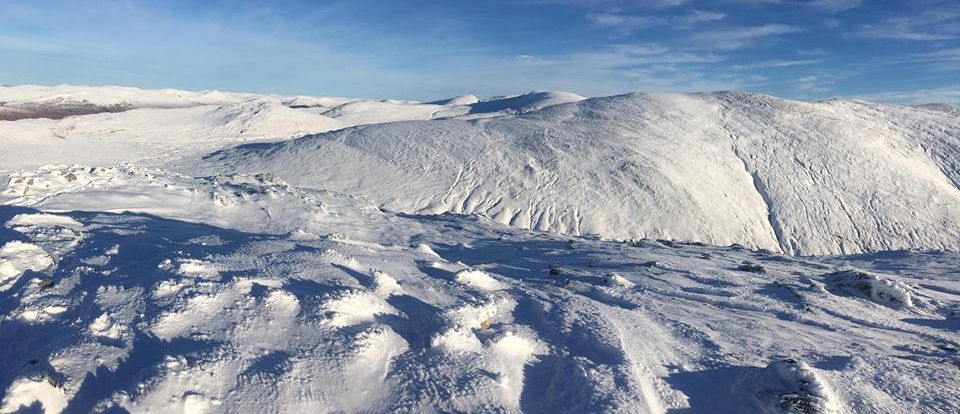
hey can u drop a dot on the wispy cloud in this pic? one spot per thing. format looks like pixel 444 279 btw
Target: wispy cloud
pixel 605 4
pixel 948 94
pixel 835 6
pixel 776 63
pixel 633 22
pixel 698 16
pixel 344 47
pixel 943 55
pixel 807 84
pixel 740 37
pixel 931 25
pixel 830 6
pixel 811 52
pixel 621 21
pixel 625 55
pixel 620 68
pixel 28 46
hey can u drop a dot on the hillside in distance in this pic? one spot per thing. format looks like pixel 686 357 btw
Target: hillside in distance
pixel 42 125
pixel 806 178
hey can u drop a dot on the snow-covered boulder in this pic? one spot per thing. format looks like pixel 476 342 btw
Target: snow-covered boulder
pixel 789 386
pixel 879 289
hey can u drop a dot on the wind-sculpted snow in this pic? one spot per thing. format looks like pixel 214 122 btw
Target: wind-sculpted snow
pixel 154 266
pixel 358 310
pixel 801 178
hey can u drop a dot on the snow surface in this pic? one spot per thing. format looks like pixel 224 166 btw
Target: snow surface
pixel 109 125
pixel 17 257
pixel 801 178
pixel 334 273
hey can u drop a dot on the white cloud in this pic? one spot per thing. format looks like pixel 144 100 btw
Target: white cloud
pixel 835 6
pixel 609 70
pixel 811 52
pixel 740 37
pixel 931 25
pixel 897 33
pixel 605 4
pixel 624 21
pixel 813 84
pixel 21 45
pixel 831 6
pixel 947 94
pixel 698 16
pixel 631 22
pixel 943 55
pixel 776 63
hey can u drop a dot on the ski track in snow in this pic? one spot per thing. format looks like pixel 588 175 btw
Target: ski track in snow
pixel 133 287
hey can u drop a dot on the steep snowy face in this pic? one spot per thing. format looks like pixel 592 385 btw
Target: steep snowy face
pixel 802 178
pixel 841 177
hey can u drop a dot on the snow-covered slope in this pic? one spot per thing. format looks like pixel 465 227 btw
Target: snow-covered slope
pixel 457 100
pixel 952 109
pixel 330 272
pixel 42 125
pixel 529 102
pixel 361 112
pixel 325 304
pixel 807 178
pixel 373 112
pixel 61 101
pixel 110 138
pixel 33 101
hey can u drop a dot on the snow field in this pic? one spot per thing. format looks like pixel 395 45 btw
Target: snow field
pixel 192 279
pixel 300 325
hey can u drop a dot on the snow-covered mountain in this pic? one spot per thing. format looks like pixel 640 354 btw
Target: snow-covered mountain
pixel 803 178
pixel 55 102
pixel 108 125
pixel 239 253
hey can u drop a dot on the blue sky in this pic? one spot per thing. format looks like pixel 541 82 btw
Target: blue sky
pixel 896 51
